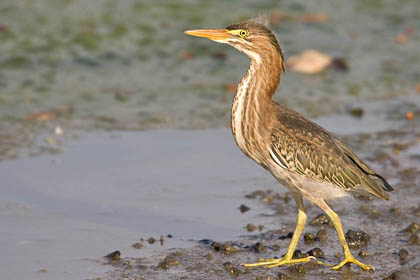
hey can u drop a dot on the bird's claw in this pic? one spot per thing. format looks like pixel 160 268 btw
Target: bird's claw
pixel 356 262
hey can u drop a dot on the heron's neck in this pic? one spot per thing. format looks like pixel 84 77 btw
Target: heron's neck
pixel 252 104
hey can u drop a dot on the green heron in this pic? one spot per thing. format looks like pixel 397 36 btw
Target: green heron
pixel 301 155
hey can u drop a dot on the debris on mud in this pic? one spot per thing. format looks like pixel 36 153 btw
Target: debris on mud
pixel 309 238
pixel 151 240
pixel 321 219
pixel 412 228
pixel 233 270
pixel 250 227
pixel 413 240
pixel 224 248
pixel 403 254
pixel 243 208
pixel 363 254
pixel 171 260
pixel 321 235
pixel 114 256
pixel 357 239
pixel 137 245
pixel 394 276
pixel 316 252
pixel 257 248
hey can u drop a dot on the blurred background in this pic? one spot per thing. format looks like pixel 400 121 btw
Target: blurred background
pixel 107 110
pixel 126 65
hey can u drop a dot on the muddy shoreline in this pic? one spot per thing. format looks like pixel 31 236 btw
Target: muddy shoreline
pixel 392 227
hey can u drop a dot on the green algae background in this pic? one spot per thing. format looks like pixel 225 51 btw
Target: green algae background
pixel 126 65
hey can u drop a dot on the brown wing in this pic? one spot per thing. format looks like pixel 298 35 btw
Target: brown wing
pixel 307 149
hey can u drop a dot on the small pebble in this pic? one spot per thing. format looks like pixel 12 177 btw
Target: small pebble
pixel 356 112
pixel 257 247
pixel 394 276
pixel 363 253
pixel 287 236
pixel 225 249
pixel 250 227
pixel 170 260
pixel 316 252
pixel 413 240
pixel 412 228
pixel 309 238
pixel 357 239
pixel 321 219
pixel 137 245
pixel 260 227
pixel 151 240
pixel 321 235
pixel 340 63
pixel 298 254
pixel 299 268
pixel 243 208
pixel 281 276
pixel 233 271
pixel 114 256
pixel 396 211
pixel 403 254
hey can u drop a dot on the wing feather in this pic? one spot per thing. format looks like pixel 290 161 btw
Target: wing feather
pixel 305 148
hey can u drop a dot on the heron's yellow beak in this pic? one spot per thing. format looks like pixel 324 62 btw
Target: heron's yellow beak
pixel 212 34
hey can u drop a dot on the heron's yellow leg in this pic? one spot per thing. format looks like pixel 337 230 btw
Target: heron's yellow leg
pixel 348 257
pixel 287 259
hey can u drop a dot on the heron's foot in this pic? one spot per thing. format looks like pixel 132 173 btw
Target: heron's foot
pixel 270 263
pixel 351 259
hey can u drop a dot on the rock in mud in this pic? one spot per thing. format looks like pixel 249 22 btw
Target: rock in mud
pixel 412 228
pixel 403 254
pixel 413 240
pixel 114 256
pixel 243 208
pixel 321 219
pixel 281 276
pixel 357 239
pixel 225 249
pixel 257 248
pixel 250 227
pixel 151 240
pixel 137 245
pixel 321 235
pixel 316 252
pixel 309 238
pixel 298 254
pixel 170 260
pixel 299 268
pixel 233 270
pixel 287 236
pixel 363 253
pixel 396 211
pixel 394 276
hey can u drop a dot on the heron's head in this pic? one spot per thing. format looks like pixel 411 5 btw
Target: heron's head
pixel 251 37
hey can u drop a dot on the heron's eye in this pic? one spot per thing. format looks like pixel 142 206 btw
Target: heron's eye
pixel 243 33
